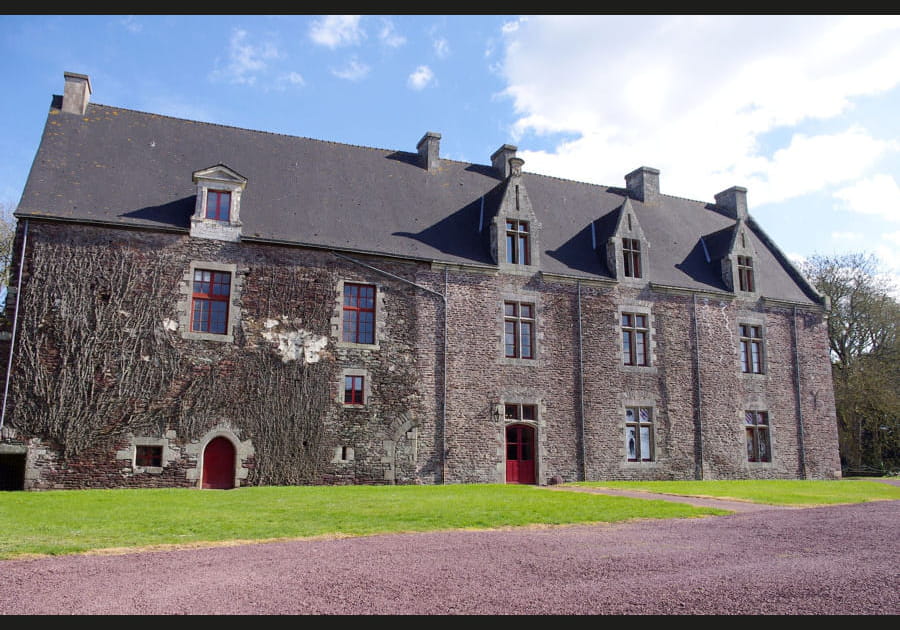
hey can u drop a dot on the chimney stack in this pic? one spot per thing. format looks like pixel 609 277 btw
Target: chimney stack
pixel 734 200
pixel 643 184
pixel 515 166
pixel 77 93
pixel 429 150
pixel 500 159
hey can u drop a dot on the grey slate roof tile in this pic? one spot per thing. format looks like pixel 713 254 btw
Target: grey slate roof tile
pixel 130 168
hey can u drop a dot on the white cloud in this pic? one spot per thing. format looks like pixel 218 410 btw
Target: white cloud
pixel 694 95
pixel 292 78
pixel 245 60
pixel 420 78
pixel 131 24
pixel 441 48
pixel 354 70
pixel 336 30
pixel 878 195
pixel 389 36
pixel 846 236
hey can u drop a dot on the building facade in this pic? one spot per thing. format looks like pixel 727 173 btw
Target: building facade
pixel 204 306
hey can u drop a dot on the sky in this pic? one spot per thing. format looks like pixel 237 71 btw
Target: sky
pixel 801 110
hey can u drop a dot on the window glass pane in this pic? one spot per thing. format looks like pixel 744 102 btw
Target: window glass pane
pixel 626 346
pixel 762 418
pixel 629 415
pixel 763 439
pixel 512 451
pixel 526 311
pixel 645 443
pixel 509 308
pixel 640 349
pixel 644 414
pixel 526 341
pixel 632 445
pixel 523 250
pixel 749 418
pixel 510 338
pixel 510 248
pixel 512 413
pixel 528 412
pixel 218 319
pixel 751 457
pixel 626 319
pixel 201 316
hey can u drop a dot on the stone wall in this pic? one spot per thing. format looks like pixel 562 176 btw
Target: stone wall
pixel 276 388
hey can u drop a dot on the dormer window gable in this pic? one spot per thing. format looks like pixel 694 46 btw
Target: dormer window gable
pixel 217 213
pixel 739 266
pixel 627 250
pixel 515 231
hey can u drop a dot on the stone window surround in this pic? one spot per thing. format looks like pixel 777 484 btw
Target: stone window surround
pixel 130 453
pixel 185 304
pixel 337 318
pixel 631 400
pixel 342 455
pixel 520 297
pixel 367 388
pixel 752 319
pixel 499 244
pixel 638 307
pixel 212 179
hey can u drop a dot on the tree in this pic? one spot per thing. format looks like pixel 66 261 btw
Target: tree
pixel 7 233
pixel 864 336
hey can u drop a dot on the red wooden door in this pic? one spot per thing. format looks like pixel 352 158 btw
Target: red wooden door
pixel 218 464
pixel 519 454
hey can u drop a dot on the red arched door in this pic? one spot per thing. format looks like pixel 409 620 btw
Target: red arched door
pixel 218 464
pixel 519 454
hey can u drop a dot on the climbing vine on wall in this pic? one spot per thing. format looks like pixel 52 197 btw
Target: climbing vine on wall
pixel 103 364
pixel 92 343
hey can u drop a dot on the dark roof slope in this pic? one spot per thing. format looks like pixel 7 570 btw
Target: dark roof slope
pixel 131 168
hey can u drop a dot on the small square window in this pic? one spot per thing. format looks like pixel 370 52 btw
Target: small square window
pixel 148 456
pixel 354 390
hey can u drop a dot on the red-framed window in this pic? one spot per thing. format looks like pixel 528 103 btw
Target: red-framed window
pixel 148 456
pixel 354 390
pixel 209 306
pixel 518 247
pixel 639 434
pixel 756 425
pixel 751 349
pixel 631 252
pixel 745 273
pixel 359 313
pixel 518 322
pixel 635 339
pixel 218 205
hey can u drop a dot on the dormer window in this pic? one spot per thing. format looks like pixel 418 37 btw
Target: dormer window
pixel 518 250
pixel 631 252
pixel 218 205
pixel 745 273
pixel 217 213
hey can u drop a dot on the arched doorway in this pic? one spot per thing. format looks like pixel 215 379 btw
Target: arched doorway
pixel 218 464
pixel 520 454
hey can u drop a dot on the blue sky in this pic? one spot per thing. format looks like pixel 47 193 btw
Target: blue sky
pixel 801 110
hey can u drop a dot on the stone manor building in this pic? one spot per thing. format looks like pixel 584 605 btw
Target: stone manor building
pixel 205 306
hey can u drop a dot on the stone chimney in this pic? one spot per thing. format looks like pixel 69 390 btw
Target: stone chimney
pixel 643 184
pixel 734 200
pixel 77 93
pixel 429 150
pixel 500 159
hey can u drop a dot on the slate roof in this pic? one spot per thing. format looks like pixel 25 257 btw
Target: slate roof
pixel 130 168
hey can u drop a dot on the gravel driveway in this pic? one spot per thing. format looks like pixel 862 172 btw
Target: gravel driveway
pixel 824 560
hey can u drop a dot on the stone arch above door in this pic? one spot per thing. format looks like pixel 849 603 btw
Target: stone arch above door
pixel 243 451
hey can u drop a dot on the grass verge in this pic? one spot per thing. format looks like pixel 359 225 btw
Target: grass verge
pixel 769 491
pixel 80 521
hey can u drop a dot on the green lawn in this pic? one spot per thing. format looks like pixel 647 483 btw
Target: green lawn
pixel 775 492
pixel 79 521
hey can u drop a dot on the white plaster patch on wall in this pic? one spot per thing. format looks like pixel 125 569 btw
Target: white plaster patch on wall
pixel 170 324
pixel 296 345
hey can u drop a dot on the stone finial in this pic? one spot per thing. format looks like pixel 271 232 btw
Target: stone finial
pixel 500 159
pixel 734 200
pixel 515 166
pixel 429 150
pixel 77 93
pixel 643 184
